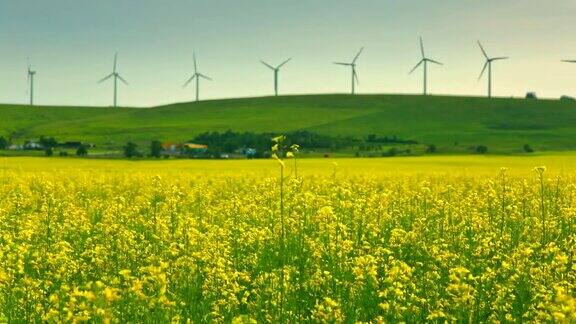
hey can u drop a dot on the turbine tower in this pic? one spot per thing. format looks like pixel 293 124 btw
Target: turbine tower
pixel 116 77
pixel 424 61
pixel 197 75
pixel 31 75
pixel 276 71
pixel 488 65
pixel 353 66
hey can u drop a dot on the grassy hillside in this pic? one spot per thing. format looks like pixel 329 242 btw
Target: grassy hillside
pixel 504 125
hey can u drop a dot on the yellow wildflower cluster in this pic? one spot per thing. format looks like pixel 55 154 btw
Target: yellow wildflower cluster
pixel 146 246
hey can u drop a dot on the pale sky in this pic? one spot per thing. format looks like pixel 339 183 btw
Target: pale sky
pixel 71 43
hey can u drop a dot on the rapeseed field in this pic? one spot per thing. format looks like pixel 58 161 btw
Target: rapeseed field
pixel 137 242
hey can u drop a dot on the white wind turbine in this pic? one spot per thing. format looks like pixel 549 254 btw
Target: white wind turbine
pixel 276 71
pixel 352 65
pixel 116 77
pixel 197 75
pixel 424 61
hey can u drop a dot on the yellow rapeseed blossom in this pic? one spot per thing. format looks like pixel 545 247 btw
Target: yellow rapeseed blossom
pixel 140 245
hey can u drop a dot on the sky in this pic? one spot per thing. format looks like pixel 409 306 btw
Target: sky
pixel 71 45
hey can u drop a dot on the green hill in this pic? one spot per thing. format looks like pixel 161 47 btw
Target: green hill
pixel 451 123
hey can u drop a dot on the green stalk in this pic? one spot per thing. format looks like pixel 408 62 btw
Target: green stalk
pixel 282 245
pixel 543 212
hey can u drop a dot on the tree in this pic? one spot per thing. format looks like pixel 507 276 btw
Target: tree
pixel 156 149
pixel 431 148
pixel 528 148
pixel 49 151
pixel 131 150
pixel 82 150
pixel 392 151
pixel 48 142
pixel 481 149
pixel 4 143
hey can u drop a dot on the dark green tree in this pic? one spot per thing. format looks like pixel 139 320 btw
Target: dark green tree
pixel 4 143
pixel 47 142
pixel 131 150
pixel 82 150
pixel 156 149
pixel 481 149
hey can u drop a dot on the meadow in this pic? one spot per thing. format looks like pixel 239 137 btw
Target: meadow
pixel 503 125
pixel 443 238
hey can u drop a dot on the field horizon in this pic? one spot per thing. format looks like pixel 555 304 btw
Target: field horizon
pixel 455 124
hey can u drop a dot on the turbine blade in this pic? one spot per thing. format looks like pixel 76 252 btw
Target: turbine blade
pixel 122 79
pixel 417 65
pixel 357 55
pixel 106 78
pixel 569 61
pixel 345 64
pixel 115 62
pixel 195 64
pixel 268 65
pixel 205 76
pixel 356 77
pixel 281 65
pixel 483 50
pixel 483 70
pixel 436 62
pixel 500 58
pixel 188 81
pixel 422 47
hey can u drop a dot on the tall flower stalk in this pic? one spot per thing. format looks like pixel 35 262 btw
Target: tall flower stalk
pixel 540 171
pixel 279 153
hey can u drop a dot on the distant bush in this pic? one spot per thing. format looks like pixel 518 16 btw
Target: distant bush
pixel 49 151
pixel 431 148
pixel 47 142
pixel 63 153
pixel 481 149
pixel 131 150
pixel 82 150
pixel 528 148
pixel 4 143
pixel 230 141
pixel 155 149
pixel 391 152
pixel 373 138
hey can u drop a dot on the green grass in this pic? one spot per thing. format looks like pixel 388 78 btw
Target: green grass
pixel 504 125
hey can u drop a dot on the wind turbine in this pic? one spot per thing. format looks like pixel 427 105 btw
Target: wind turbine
pixel 353 66
pixel 116 77
pixel 31 75
pixel 276 71
pixel 488 65
pixel 424 61
pixel 197 75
